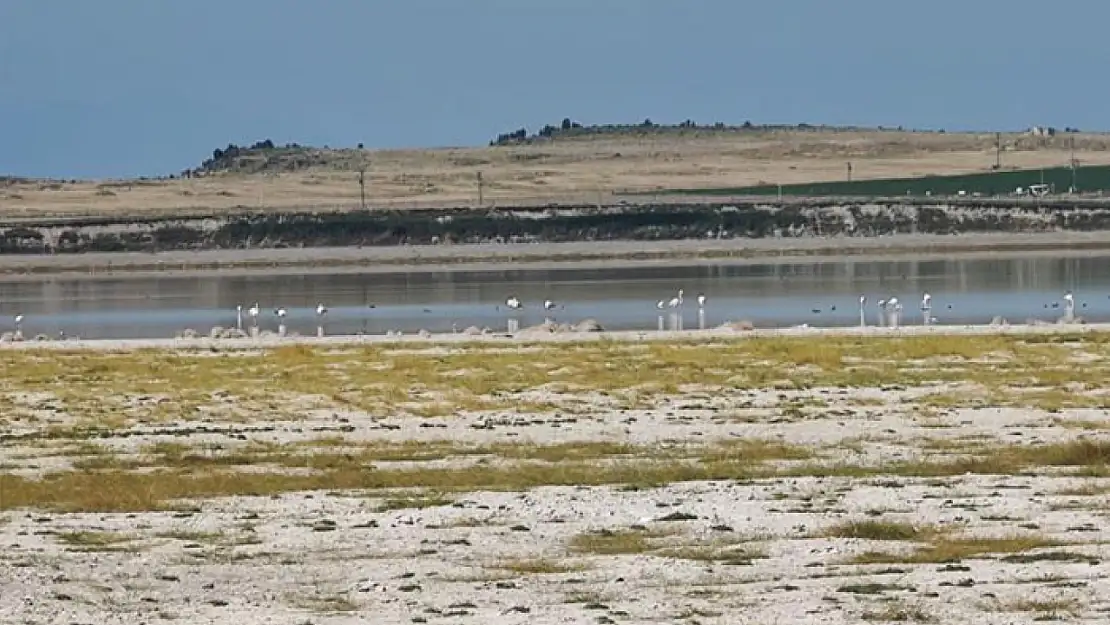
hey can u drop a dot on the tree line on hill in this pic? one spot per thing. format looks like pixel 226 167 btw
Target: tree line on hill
pixel 225 158
pixel 571 128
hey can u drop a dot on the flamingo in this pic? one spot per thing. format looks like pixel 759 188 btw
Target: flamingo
pixel 280 312
pixel 548 304
pixel 882 309
pixel 893 310
pixel 254 311
pixel 660 304
pixel 676 301
pixel 513 303
pixel 862 317
pixel 321 310
pixel 1069 305
pixel 701 300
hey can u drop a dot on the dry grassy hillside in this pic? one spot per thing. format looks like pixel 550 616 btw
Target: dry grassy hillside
pixel 590 168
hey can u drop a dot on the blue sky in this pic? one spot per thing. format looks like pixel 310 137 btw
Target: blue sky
pixel 148 87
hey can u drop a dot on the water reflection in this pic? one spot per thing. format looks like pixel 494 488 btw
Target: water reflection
pixel 772 294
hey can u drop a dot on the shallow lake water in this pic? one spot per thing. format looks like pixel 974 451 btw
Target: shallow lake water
pixel 774 294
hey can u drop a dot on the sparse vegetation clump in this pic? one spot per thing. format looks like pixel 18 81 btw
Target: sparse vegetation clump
pixel 665 543
pixel 900 612
pixel 411 503
pixel 535 566
pixel 955 549
pixel 879 530
pixel 1052 609
pixel 616 542
pixel 95 541
pixel 324 604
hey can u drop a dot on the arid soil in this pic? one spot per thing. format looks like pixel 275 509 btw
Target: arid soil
pixel 591 170
pixel 932 475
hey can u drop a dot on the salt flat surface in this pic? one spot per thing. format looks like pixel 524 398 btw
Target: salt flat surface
pixel 726 551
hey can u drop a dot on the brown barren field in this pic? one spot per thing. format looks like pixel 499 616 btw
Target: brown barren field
pixel 595 169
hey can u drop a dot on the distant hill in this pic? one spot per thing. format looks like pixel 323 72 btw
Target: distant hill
pixel 266 156
pixel 580 165
pixel 570 129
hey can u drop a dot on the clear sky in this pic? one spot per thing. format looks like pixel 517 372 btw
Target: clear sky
pixel 148 87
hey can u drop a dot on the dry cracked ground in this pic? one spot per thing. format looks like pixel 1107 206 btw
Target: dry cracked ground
pixel 753 480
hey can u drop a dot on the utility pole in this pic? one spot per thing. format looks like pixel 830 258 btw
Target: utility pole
pixel 1040 192
pixel 1074 165
pixel 267 179
pixel 362 185
pixel 480 198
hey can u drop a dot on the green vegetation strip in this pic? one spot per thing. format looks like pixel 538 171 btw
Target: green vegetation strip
pixel 1088 178
pixel 130 490
pixel 107 393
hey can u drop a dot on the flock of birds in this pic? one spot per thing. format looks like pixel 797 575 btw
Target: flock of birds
pixel 890 309
pixel 676 301
pixel 280 312
pixel 514 303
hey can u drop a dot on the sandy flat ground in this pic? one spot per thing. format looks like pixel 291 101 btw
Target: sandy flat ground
pixel 551 255
pixel 539 335
pixel 597 170
pixel 737 550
